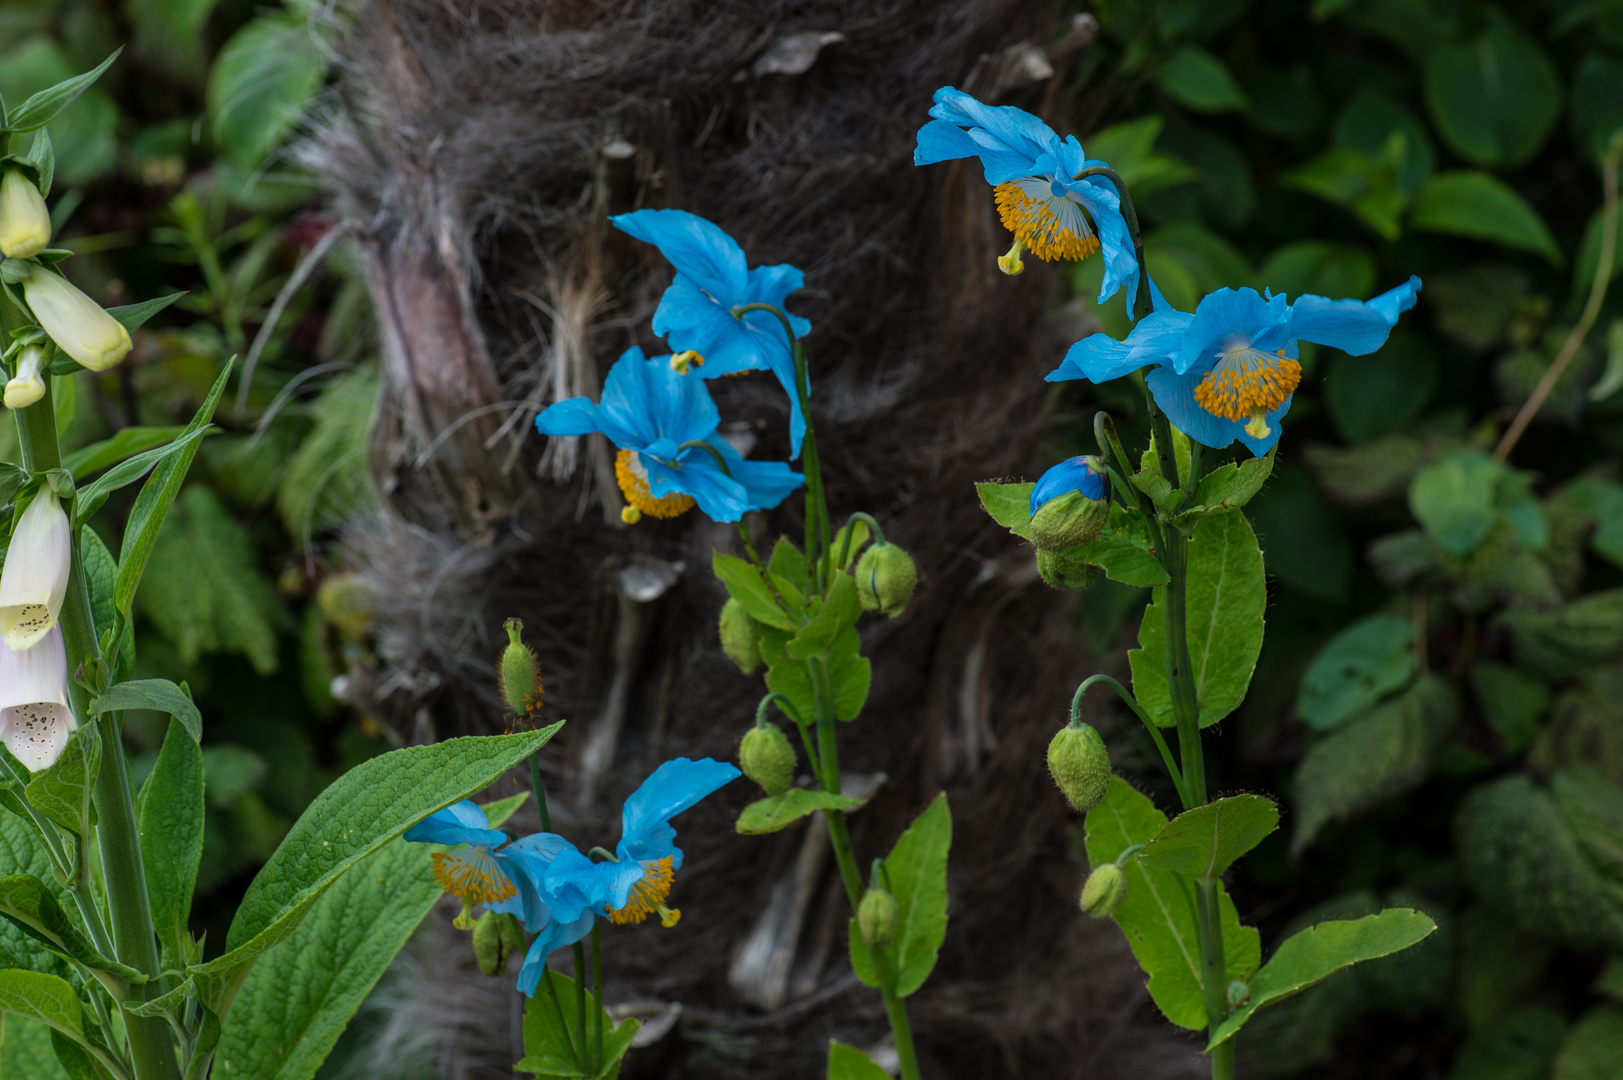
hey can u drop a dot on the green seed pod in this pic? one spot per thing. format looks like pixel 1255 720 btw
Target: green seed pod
pixel 876 918
pixel 886 578
pixel 767 758
pixel 1064 571
pixel 1081 765
pixel 1067 521
pixel 496 938
pixel 520 674
pixel 1103 893
pixel 740 637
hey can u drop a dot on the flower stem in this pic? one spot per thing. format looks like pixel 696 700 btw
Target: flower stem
pixel 1150 725
pixel 597 988
pixel 580 1000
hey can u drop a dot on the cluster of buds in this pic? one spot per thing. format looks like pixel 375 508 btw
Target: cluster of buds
pixel 35 719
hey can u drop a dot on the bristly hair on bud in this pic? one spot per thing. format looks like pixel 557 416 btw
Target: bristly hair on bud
pixel 520 673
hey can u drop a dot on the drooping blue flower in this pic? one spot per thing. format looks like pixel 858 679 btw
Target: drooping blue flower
pixel 712 280
pixel 1072 474
pixel 1228 371
pixel 479 874
pixel 552 903
pixel 1032 171
pixel 649 410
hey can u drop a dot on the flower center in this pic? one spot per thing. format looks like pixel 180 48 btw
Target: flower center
pixel 633 478
pixel 1248 384
pixel 473 875
pixel 648 896
pixel 1052 226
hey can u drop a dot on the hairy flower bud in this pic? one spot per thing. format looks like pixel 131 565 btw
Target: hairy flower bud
pixel 740 637
pixel 1104 890
pixel 25 223
pixel 1063 571
pixel 1068 520
pixel 78 326
pixel 35 719
pixel 886 578
pixel 1080 764
pixel 496 938
pixel 35 579
pixel 28 385
pixel 767 758
pixel 876 918
pixel 520 673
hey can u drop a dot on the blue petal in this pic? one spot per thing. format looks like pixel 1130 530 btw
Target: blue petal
pixel 1395 302
pixel 686 305
pixel 572 416
pixel 567 881
pixel 1175 394
pixel 682 407
pixel 1015 129
pixel 459 823
pixel 767 483
pixel 942 140
pixel 1225 316
pixel 627 410
pixel 1115 243
pixel 1072 474
pixel 557 935
pixel 696 473
pixel 696 247
pixel 1350 325
pixel 670 789
pixel 1100 358
pixel 772 285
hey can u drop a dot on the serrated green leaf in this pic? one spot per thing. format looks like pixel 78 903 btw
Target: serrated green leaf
pixel 1319 952
pixel 22 852
pixel 917 870
pixel 48 999
pixel 31 906
pixel 1158 911
pixel 1453 499
pixel 25 1050
pixel 550 1047
pixel 1205 841
pixel 1233 485
pixel 127 443
pixel 157 694
pixel 839 612
pixel 780 811
pixel 1225 596
pixel 62 792
pixel 1482 207
pixel 1563 641
pixel 1123 550
pixel 170 813
pixel 745 584
pixel 1008 504
pixel 849 1063
pixel 1159 489
pixel 1593 807
pixel 43 107
pixel 1358 667
pixel 358 814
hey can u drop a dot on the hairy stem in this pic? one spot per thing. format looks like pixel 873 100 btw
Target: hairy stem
pixel 1155 731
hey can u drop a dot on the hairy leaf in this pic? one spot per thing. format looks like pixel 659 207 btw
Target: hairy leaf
pixel 849 1063
pixel 552 1047
pixel 1205 841
pixel 917 871
pixel 1357 668
pixel 170 814
pixel 781 811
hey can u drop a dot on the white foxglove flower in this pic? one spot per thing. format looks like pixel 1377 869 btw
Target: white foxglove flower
pixel 35 719
pixel 28 385
pixel 35 578
pixel 25 224
pixel 78 326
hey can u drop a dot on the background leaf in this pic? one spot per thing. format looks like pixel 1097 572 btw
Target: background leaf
pixel 780 811
pixel 1196 78
pixel 1494 99
pixel 849 1063
pixel 1481 207
pixel 1356 669
pixel 261 83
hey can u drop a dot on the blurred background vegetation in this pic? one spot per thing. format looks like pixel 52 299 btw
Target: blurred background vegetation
pixel 1440 699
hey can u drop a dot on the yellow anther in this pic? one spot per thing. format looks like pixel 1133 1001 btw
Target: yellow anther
pixel 1051 228
pixel 473 875
pixel 648 896
pixel 1010 264
pixel 685 361
pixel 633 479
pixel 1248 384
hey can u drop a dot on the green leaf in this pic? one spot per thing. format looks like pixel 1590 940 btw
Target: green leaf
pixel 1196 78
pixel 130 441
pixel 781 811
pixel 135 316
pixel 499 811
pixel 22 852
pixel 12 479
pixel 158 694
pixel 1512 701
pixel 1008 504
pixel 1365 183
pixel 788 562
pixel 25 1050
pixel 33 908
pixel 849 1063
pixel 1494 99
pixel 745 584
pixel 1205 841
pixel 1228 486
pixel 327 482
pixel 849 675
pixel 1130 149
pixel 48 999
pixel 1593 806
pixel 550 1047
pixel 1158 911
pixel 1226 594
pixel 170 814
pixel 1379 755
pixel 1123 550
pixel 1481 207
pixel 1319 952
pixel 1358 667
pixel 1453 499
pixel 1517 1046
pixel 62 792
pixel 1367 123
pixel 917 870
pixel 43 107
pixel 1602 501
pixel 130 470
pixel 359 813
pixel 263 78
pixel 1162 494
pixel 1563 641
pixel 840 612
pixel 859 533
pixel 1593 1048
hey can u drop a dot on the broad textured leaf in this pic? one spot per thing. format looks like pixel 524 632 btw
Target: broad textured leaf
pixel 1226 594
pixel 917 868
pixel 1205 841
pixel 1494 99
pixel 1602 501
pixel 1453 499
pixel 1123 550
pixel 1513 701
pixel 1593 1048
pixel 787 561
pixel 1373 758
pixel 25 1050
pixel 745 584
pixel 1358 667
pixel 1482 207
pixel 1008 504
pixel 170 814
pixel 1158 912
pixel 43 107
pixel 21 852
pixel 159 694
pixel 1564 641
pixel 849 1063
pixel 1319 952
pixel 262 80
pixel 359 813
pixel 32 907
pixel 127 443
pixel 1594 808
pixel 1196 78
pixel 551 1047
pixel 1233 484
pixel 62 792
pixel 47 998
pixel 781 811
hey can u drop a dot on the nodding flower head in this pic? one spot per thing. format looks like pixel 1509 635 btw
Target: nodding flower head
pixel 35 719
pixel 28 385
pixel 1068 505
pixel 75 322
pixel 34 582
pixel 25 223
pixel 476 875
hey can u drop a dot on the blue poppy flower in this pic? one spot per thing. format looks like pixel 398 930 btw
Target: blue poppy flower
pixel 712 279
pixel 1228 371
pixel 649 410
pixel 1072 474
pixel 552 902
pixel 477 875
pixel 1032 170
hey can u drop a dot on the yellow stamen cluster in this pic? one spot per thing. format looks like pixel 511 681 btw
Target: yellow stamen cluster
pixel 1035 222
pixel 473 875
pixel 648 896
pixel 634 485
pixel 1248 384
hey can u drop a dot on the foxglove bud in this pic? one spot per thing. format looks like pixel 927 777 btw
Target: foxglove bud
pixel 25 224
pixel 1068 505
pixel 28 385
pixel 79 328
pixel 876 918
pixel 496 937
pixel 1081 765
pixel 740 637
pixel 1104 890
pixel 35 578
pixel 886 578
pixel 35 719
pixel 767 758
pixel 1063 571
pixel 520 674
